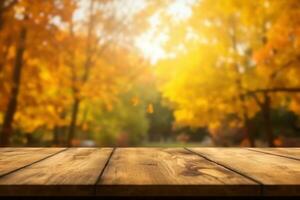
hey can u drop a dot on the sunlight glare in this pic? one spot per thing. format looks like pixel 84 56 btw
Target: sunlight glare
pixel 151 42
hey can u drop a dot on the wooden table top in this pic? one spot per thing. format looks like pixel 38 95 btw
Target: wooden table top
pixel 150 171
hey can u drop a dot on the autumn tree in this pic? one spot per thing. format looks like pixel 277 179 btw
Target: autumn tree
pixel 107 35
pixel 33 25
pixel 277 60
pixel 217 45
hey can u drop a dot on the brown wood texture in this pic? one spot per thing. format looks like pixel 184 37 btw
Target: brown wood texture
pixel 149 171
pixel 279 175
pixel 293 153
pixel 12 159
pixel 71 172
pixel 159 171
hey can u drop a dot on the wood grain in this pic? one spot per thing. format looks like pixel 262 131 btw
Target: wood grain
pixel 12 159
pixel 72 172
pixel 271 170
pixel 149 171
pixel 293 153
pixel 159 171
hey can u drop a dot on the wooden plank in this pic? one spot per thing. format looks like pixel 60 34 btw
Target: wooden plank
pixel 293 153
pixel 280 176
pixel 72 172
pixel 12 159
pixel 165 171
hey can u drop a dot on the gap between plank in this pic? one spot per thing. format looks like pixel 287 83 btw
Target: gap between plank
pixel 104 167
pixel 229 168
pixel 273 154
pixel 13 171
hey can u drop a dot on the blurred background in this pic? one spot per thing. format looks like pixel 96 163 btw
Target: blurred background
pixel 150 73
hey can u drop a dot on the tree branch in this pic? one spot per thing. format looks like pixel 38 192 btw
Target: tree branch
pixel 274 90
pixel 289 63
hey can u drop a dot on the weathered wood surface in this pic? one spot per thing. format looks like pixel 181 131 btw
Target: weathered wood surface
pixel 279 175
pixel 76 169
pixel 15 158
pixel 293 153
pixel 155 171
pixel 149 171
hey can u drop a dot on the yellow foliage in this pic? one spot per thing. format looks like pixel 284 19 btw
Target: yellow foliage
pixel 206 63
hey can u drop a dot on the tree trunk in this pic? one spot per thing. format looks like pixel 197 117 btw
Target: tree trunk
pixel 30 140
pixel 56 141
pixel 85 76
pixel 13 100
pixel 72 126
pixel 59 131
pixel 247 124
pixel 240 88
pixel 4 8
pixel 249 136
pixel 1 14
pixel 266 109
